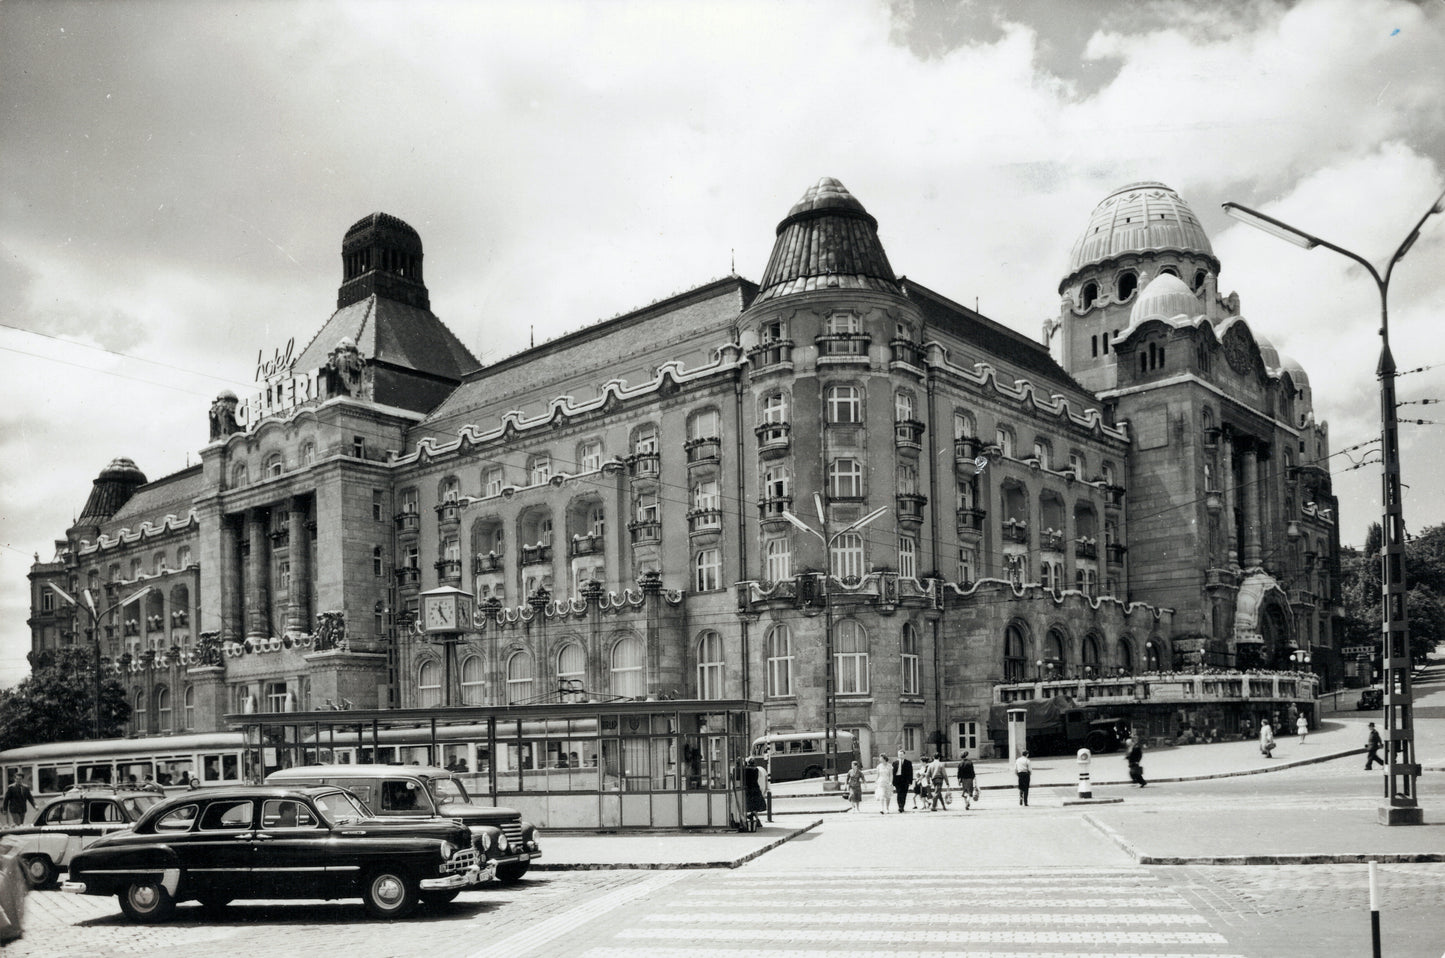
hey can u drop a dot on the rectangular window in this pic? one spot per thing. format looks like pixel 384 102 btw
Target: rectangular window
pixel 539 470
pixel 907 479
pixel 775 408
pixel 703 425
pixel 411 558
pixel 908 557
pixel 705 495
pixel 645 440
pixel 845 479
pixel 912 680
pixel 47 601
pixel 780 560
pixel 276 696
pixel 589 455
pixel 492 481
pixel 358 446
pixel 848 556
pixel 409 501
pixel 967 565
pixel 378 505
pixel 845 404
pixel 1005 440
pixel 283 573
pixel 912 736
pixel 775 482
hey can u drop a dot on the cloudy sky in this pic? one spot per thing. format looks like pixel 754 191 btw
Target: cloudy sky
pixel 175 179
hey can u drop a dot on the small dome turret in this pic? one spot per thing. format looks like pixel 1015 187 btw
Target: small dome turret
pixel 112 489
pixel 382 255
pixel 1165 297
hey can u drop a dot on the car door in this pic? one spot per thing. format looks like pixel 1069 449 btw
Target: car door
pixel 215 851
pixel 291 853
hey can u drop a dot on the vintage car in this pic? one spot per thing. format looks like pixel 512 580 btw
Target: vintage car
pixel 257 841
pixel 1371 699
pixel 428 792
pixel 67 824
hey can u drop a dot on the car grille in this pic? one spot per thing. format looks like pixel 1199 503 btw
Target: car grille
pixel 513 831
pixel 461 861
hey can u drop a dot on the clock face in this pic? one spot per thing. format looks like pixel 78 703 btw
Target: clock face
pixel 464 615
pixel 438 614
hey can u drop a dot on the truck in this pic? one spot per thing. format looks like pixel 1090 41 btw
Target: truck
pixel 1057 726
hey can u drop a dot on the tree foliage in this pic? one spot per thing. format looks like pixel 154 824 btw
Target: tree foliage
pixel 1425 577
pixel 56 702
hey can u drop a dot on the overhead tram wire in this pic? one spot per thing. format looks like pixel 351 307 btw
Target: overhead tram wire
pixel 119 355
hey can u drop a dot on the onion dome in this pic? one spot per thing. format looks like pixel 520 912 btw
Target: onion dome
pixel 1139 218
pixel 382 254
pixel 1165 297
pixel 828 240
pixel 114 486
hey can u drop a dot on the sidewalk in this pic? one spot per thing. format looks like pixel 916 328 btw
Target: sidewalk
pixel 666 850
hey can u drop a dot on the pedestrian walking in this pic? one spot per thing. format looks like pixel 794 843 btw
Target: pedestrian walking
pixel 1024 769
pixel 1135 758
pixel 1372 748
pixel 1266 738
pixel 854 784
pixel 753 790
pixel 883 785
pixel 902 779
pixel 1302 726
pixel 938 783
pixel 17 797
pixel 967 783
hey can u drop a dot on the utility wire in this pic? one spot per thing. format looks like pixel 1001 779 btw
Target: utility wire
pixel 119 355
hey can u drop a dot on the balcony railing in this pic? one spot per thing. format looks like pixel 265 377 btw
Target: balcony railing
pixel 774 437
pixel 539 553
pixel 770 510
pixel 587 545
pixel 645 530
pixel 486 562
pixel 708 449
pixel 907 351
pixel 773 353
pixel 408 575
pixel 449 569
pixel 407 521
pixel 1086 550
pixel 704 520
pixel 1014 531
pixel 1114 552
pixel 843 346
pixel 910 507
pixel 448 511
pixel 1051 540
pixel 644 465
pixel 908 433
pixel 965 451
pixel 970 520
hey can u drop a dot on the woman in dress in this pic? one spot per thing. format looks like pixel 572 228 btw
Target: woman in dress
pixel 883 784
pixel 1266 739
pixel 854 782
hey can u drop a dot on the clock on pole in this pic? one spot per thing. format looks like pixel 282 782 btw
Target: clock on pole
pixel 445 614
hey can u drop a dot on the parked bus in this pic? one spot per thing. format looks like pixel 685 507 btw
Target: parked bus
pixel 795 755
pixel 215 758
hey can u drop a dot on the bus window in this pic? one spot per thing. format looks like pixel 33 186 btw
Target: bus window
pixel 230 768
pixel 94 774
pixel 134 773
pixel 55 778
pixel 212 765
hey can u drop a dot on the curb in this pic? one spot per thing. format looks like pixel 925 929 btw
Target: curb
pixel 675 866
pixel 1348 858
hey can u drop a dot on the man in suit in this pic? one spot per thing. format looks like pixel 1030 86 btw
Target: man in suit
pixel 902 778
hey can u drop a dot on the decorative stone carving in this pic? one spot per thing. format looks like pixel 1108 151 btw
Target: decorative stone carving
pixel 344 367
pixel 331 632
pixel 223 415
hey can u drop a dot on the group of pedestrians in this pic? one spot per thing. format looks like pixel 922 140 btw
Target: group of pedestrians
pixel 894 780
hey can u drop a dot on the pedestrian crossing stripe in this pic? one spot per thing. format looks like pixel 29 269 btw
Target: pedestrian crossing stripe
pixel 994 917
pixel 942 882
pixel 642 951
pixel 1041 874
pixel 931 936
pixel 913 897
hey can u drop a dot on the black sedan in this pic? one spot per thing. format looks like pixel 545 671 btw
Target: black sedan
pixel 222 844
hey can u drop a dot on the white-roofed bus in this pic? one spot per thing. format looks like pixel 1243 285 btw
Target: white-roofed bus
pixel 795 755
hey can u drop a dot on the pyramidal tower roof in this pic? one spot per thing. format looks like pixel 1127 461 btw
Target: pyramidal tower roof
pixel 827 240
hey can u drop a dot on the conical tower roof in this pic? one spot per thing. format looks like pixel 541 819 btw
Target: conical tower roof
pixel 827 240
pixel 114 486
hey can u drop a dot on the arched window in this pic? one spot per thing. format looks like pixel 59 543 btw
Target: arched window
pixel 308 452
pixel 1126 655
pixel 1015 654
pixel 964 425
pixel 519 677
pixel 473 681
pixel 1004 436
pixel 274 466
pixel 188 707
pixel 572 671
pixel 1199 278
pixel 704 424
pixel 909 654
pixel 844 404
pixel 238 475
pixel 1054 648
pixel 163 709
pixel 707 570
pixel 629 679
pixel 780 661
pixel 1089 654
pixel 1090 294
pixel 850 658
pixel 1127 283
pixel 138 711
pixel 428 685
pixel 1042 453
pixel 710 666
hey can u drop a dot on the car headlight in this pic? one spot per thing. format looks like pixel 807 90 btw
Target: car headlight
pixel 502 844
pixel 448 850
pixel 536 836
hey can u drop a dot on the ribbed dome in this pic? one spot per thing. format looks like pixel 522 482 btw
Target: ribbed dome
pixel 1267 353
pixel 1139 218
pixel 114 486
pixel 1288 364
pixel 386 221
pixel 1165 297
pixel 826 241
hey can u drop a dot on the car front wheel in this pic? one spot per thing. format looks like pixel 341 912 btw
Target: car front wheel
pixel 389 893
pixel 39 870
pixel 512 872
pixel 147 901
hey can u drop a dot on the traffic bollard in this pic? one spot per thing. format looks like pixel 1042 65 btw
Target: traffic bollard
pixel 770 805
pixel 1086 790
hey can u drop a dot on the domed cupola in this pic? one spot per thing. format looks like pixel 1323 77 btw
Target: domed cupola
pixel 113 488
pixel 1164 298
pixel 382 255
pixel 1139 218
pixel 828 240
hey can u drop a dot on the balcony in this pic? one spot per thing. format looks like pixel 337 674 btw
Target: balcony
pixel 132 627
pixel 644 465
pixel 774 438
pixel 1115 496
pixel 585 545
pixel 537 554
pixel 843 347
pixel 1114 552
pixel 486 562
pixel 777 352
pixel 180 618
pixel 155 623
pixel 407 521
pixel 704 520
pixel 1016 530
pixel 770 511
pixel 1051 540
pixel 910 508
pixel 701 451
pixel 449 511
pixel 645 530
pixel 970 521
pixel 449 570
pixel 907 352
pixel 408 575
pixel 908 434
pixel 965 451
pixel 1302 597
pixel 1086 549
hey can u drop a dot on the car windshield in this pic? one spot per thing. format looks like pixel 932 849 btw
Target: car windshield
pixel 135 805
pixel 448 791
pixel 339 808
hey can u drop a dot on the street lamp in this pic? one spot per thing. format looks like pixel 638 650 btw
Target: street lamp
pixel 1301 659
pixel 1401 771
pixel 830 690
pixel 94 629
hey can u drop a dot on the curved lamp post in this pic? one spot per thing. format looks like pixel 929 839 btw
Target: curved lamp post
pixel 96 616
pixel 1401 771
pixel 830 690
